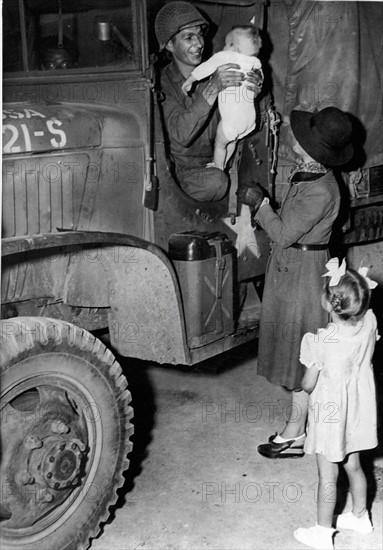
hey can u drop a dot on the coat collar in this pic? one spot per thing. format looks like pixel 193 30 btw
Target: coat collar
pixel 174 73
pixel 310 171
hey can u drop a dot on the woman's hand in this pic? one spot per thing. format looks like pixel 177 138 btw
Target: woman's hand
pixel 251 193
pixel 226 75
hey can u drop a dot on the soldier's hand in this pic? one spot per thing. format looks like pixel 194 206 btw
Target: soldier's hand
pixel 225 75
pixel 254 80
pixel 186 87
pixel 228 75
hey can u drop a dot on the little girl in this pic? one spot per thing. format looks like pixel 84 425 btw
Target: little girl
pixel 342 407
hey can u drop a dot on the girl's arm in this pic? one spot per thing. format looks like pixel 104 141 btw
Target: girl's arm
pixel 310 378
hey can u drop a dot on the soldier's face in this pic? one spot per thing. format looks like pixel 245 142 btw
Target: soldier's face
pixel 187 46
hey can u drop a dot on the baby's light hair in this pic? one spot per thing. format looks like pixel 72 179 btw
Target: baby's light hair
pixel 350 298
pixel 251 31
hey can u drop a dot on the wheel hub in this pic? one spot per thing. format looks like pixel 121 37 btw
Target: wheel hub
pixel 45 469
pixel 61 463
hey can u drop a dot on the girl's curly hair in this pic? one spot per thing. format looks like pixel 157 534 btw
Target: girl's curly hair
pixel 350 298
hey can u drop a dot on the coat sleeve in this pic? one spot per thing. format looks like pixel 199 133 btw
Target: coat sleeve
pixel 183 122
pixel 307 209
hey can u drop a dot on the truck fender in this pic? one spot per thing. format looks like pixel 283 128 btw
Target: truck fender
pixel 146 315
pixel 139 286
pixel 141 289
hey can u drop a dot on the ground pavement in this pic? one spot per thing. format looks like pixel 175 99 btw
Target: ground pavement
pixel 196 480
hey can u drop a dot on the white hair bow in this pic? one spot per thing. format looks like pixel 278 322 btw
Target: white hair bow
pixel 335 271
pixel 363 272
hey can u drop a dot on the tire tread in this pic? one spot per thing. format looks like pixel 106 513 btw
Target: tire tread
pixel 46 335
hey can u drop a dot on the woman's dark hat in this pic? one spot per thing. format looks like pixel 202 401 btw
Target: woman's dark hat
pixel 324 135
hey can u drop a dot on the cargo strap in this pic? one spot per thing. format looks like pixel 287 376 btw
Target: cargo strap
pixel 273 122
pixel 233 172
pixel 220 263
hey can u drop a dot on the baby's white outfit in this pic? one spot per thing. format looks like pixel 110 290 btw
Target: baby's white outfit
pixel 342 408
pixel 235 103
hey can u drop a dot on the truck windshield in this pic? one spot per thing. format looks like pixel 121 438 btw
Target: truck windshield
pixel 69 35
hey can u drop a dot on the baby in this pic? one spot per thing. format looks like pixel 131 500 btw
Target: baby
pixel 236 104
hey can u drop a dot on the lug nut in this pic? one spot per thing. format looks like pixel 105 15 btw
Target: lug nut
pixel 32 442
pixel 25 478
pixel 79 444
pixel 47 496
pixel 59 427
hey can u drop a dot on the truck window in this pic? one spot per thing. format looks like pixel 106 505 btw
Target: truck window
pixel 69 35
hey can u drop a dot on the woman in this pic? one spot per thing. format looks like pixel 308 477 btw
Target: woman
pixel 300 232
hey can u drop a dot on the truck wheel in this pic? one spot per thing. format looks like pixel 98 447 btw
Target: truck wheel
pixel 65 429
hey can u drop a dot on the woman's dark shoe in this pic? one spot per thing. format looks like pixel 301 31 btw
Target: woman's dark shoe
pixel 282 450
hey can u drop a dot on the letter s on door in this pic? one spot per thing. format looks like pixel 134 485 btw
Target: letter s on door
pixel 62 141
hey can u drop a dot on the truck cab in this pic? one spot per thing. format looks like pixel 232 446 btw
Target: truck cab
pixel 84 153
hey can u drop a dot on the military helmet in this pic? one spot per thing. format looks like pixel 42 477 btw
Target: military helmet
pixel 174 17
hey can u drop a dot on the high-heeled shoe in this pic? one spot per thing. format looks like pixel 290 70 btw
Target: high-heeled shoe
pixel 282 450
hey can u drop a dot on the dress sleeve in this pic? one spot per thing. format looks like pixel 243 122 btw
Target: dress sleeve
pixel 370 316
pixel 309 354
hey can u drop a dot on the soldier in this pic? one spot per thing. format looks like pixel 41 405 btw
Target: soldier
pixel 191 122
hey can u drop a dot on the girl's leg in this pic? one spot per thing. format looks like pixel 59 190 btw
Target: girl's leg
pixel 328 475
pixel 358 484
pixel 357 519
pixel 321 534
pixel 296 423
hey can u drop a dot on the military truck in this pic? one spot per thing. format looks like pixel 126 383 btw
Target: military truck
pixel 98 237
pixel 89 209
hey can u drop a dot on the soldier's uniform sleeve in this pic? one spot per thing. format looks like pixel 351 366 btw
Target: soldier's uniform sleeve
pixel 184 117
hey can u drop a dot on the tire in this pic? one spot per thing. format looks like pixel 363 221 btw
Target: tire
pixel 65 434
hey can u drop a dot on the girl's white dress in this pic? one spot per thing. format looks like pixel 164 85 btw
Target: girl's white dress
pixel 342 408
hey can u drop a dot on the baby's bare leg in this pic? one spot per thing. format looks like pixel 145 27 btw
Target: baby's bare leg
pixel 230 150
pixel 220 148
pixel 328 475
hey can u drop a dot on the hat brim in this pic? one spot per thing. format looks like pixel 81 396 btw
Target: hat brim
pixel 301 126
